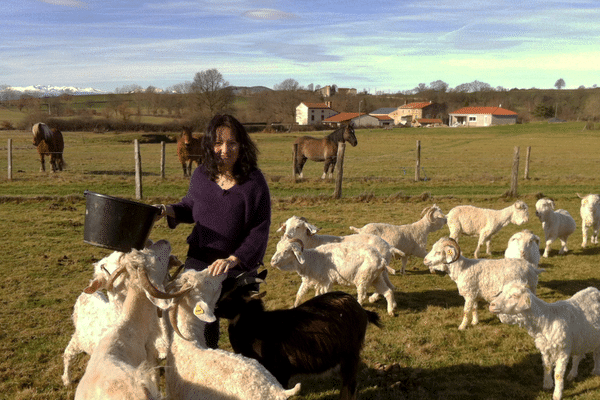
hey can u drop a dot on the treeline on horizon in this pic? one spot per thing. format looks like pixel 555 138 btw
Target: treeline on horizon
pixel 193 104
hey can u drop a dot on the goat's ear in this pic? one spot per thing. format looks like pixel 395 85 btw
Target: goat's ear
pixel 311 229
pixel 93 286
pixel 203 312
pixel 262 274
pixel 524 302
pixel 281 228
pixel 450 254
pixel 298 254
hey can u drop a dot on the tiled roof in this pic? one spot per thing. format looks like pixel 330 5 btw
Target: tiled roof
pixel 417 105
pixel 341 117
pixel 316 105
pixel 382 117
pixel 484 110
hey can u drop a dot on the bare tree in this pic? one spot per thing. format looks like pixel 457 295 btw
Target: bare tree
pixel 212 92
pixel 439 86
pixel 288 84
pixel 559 84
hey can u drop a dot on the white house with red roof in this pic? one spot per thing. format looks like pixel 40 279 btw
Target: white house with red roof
pixel 313 113
pixel 482 116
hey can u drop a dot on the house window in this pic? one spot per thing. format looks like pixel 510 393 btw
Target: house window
pixel 472 119
pixel 312 117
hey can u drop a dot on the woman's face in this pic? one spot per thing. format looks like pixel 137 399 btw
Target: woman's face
pixel 227 147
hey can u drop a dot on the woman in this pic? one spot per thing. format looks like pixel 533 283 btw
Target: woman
pixel 229 203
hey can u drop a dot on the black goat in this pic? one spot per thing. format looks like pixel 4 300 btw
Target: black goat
pixel 312 338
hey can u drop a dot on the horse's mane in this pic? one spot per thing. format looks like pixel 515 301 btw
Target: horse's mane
pixel 43 132
pixel 338 134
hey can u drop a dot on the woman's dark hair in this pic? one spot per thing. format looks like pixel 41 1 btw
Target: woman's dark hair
pixel 248 152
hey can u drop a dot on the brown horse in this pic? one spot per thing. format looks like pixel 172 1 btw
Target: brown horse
pixel 322 150
pixel 188 151
pixel 49 142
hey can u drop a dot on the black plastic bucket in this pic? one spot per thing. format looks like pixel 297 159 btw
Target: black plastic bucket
pixel 115 223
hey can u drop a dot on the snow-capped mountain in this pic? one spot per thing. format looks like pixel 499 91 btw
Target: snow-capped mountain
pixel 45 90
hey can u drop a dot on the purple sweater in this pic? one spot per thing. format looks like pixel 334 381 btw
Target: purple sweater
pixel 234 221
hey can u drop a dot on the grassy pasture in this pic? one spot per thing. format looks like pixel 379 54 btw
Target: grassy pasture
pixel 419 353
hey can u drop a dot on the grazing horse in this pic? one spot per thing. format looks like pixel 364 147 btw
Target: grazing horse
pixel 49 142
pixel 188 150
pixel 322 150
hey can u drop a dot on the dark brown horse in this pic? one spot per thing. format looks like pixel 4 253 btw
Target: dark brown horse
pixel 49 142
pixel 322 150
pixel 188 151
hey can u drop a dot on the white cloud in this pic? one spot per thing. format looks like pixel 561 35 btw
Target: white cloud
pixel 268 14
pixel 66 3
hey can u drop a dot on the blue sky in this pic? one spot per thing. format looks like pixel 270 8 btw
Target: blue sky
pixel 384 46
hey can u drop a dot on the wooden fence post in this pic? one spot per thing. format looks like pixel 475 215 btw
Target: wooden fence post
pixel 515 174
pixel 9 147
pixel 162 159
pixel 138 170
pixel 339 167
pixel 527 158
pixel 294 154
pixel 418 166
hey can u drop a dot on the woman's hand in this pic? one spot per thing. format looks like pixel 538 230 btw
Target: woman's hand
pixel 164 211
pixel 221 266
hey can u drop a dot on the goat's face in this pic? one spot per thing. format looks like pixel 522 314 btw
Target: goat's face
pixel 445 251
pixel 288 253
pixel 298 228
pixel 203 296
pixel 151 263
pixel 514 298
pixel 524 242
pixel 543 207
pixel 520 213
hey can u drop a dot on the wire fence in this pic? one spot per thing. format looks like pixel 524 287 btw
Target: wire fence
pixel 90 157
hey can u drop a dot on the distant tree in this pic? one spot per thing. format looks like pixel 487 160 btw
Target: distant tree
pixel 421 87
pixel 310 87
pixel 212 92
pixel 287 85
pixel 559 84
pixel 472 87
pixel 439 86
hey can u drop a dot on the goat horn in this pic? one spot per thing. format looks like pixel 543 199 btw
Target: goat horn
pixel 173 319
pixel 451 242
pixel 154 292
pixel 177 272
pixel 114 276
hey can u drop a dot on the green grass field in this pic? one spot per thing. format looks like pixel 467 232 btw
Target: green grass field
pixel 418 354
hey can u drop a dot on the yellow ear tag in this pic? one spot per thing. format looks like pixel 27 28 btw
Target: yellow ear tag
pixel 198 310
pixel 449 252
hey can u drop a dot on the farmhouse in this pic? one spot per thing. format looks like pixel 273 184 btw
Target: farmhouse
pixel 482 116
pixel 313 113
pixel 366 120
pixel 411 112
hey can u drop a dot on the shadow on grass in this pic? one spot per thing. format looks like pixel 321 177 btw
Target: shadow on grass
pixel 571 286
pixel 461 381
